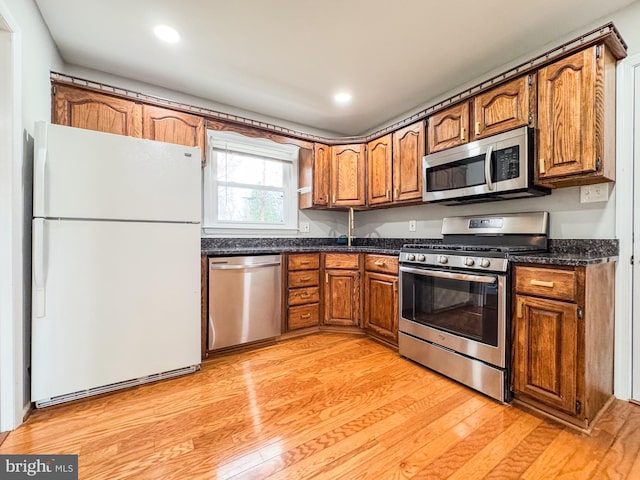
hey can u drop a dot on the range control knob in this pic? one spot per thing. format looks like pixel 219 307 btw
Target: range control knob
pixel 421 258
pixel 469 262
pixel 443 259
pixel 485 262
pixel 411 257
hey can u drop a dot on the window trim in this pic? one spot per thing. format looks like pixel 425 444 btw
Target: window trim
pixel 256 146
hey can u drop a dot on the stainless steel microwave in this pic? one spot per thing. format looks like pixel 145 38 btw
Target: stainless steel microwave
pixel 493 168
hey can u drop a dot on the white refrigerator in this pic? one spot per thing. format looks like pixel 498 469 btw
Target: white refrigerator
pixel 116 262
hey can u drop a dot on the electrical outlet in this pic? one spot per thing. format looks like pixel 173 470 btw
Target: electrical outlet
pixel 412 225
pixel 304 227
pixel 594 193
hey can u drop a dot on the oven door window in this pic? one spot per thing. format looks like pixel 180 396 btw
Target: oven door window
pixel 464 308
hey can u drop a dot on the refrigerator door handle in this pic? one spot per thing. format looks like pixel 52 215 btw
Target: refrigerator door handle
pixel 39 282
pixel 40 177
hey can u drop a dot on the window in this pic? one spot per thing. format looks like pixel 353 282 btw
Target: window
pixel 249 183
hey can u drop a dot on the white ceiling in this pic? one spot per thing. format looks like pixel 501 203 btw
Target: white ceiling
pixel 286 58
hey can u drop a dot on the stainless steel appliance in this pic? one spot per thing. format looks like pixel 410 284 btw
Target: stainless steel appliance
pixel 244 299
pixel 454 297
pixel 494 168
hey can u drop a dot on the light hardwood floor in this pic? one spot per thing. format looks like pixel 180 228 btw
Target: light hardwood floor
pixel 325 406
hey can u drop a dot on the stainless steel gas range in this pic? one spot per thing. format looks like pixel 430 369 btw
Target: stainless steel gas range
pixel 455 297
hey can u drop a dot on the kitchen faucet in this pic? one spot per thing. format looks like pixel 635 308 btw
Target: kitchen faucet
pixel 351 227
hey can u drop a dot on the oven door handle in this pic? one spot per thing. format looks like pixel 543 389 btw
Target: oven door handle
pixel 487 167
pixel 450 275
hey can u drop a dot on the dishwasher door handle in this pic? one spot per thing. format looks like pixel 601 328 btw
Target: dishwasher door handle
pixel 223 266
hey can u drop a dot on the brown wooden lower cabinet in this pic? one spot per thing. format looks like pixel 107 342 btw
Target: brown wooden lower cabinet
pixel 341 289
pixel 302 291
pixel 563 340
pixel 381 297
pixel 342 298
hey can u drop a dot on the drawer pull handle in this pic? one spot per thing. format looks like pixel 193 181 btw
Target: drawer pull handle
pixel 541 283
pixel 305 262
pixel 305 295
pixel 379 263
pixel 305 316
pixel 305 279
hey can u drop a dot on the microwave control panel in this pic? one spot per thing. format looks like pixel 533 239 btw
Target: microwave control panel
pixel 506 164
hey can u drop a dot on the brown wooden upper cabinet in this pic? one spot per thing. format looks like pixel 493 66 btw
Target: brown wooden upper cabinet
pixel 448 128
pixel 314 173
pixel 172 126
pixel 502 108
pixel 80 108
pixel 505 107
pixel 408 150
pixel 347 175
pixel 394 166
pixel 77 107
pixel 576 119
pixel 379 171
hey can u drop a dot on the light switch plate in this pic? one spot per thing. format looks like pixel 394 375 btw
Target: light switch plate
pixel 412 225
pixel 594 193
pixel 304 227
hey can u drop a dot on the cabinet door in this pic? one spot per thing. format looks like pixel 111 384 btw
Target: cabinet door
pixel 546 352
pixel 408 150
pixel 381 305
pixel 347 175
pixel 79 108
pixel 566 116
pixel 502 108
pixel 321 170
pixel 170 126
pixel 379 171
pixel 448 128
pixel 342 297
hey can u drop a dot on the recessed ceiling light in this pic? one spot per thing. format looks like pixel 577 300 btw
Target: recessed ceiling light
pixel 342 97
pixel 166 33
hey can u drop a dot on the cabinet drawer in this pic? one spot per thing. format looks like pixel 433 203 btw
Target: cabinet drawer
pixel 342 260
pixel 304 278
pixel 381 263
pixel 300 296
pixel 304 261
pixel 547 282
pixel 303 316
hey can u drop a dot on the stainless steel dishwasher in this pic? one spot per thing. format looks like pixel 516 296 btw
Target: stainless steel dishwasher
pixel 245 299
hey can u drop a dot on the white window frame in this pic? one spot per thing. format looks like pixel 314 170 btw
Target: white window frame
pixel 253 146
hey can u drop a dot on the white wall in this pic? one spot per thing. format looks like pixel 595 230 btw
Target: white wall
pixel 34 55
pixel 568 218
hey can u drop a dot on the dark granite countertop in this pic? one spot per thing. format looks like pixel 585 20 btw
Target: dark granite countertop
pixel 571 252
pixel 575 260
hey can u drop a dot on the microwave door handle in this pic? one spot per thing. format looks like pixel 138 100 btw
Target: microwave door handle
pixel 487 167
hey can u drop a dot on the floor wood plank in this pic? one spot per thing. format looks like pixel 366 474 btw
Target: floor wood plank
pixel 323 406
